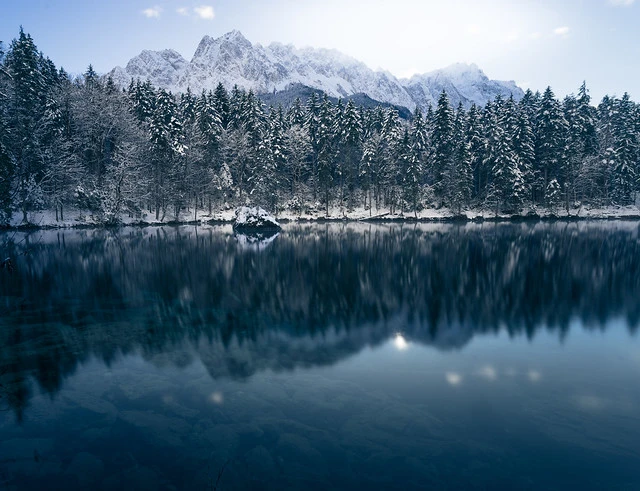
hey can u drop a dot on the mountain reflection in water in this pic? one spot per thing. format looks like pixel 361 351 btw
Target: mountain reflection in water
pixel 316 295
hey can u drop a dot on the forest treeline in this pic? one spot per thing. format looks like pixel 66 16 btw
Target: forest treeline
pixel 85 143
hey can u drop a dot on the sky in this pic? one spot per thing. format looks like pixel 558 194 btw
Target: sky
pixel 535 43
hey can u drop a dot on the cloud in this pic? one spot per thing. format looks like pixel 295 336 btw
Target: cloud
pixel 474 29
pixel 152 12
pixel 183 11
pixel 512 36
pixel 205 12
pixel 562 31
pixel 621 3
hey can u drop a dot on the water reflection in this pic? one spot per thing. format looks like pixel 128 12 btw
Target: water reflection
pixel 312 296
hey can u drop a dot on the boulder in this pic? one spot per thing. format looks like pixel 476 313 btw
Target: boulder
pixel 254 219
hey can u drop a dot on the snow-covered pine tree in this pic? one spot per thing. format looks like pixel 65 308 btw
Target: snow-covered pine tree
pixel 142 98
pixel 313 124
pixel 443 147
pixel 325 150
pixel 166 137
pixel 6 161
pixel 236 107
pixel 584 140
pixel 413 175
pixel 26 106
pixel 551 144
pixel 90 76
pixel 62 169
pixel 520 139
pixel 458 176
pixel 386 181
pixel 272 161
pixel 506 179
pixel 586 116
pixel 349 132
pixel 372 155
pixel 474 137
pixel 296 115
pixel 187 107
pixel 298 150
pixel 222 104
pixel 626 146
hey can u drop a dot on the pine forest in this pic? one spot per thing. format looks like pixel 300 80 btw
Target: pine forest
pixel 85 144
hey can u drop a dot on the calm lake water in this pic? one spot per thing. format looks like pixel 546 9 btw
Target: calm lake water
pixel 327 357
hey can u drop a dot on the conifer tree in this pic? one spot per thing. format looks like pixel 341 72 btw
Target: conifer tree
pixel 325 150
pixel 26 106
pixel 349 133
pixel 222 105
pixel 506 178
pixel 458 177
pixel 296 114
pixel 443 147
pixel 551 144
pixel 475 139
pixel 6 162
pixel 626 147
pixel 413 177
pixel 298 149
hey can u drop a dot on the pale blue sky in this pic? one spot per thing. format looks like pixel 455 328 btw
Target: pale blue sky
pixel 535 43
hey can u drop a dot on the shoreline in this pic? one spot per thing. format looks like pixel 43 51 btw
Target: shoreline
pixel 42 221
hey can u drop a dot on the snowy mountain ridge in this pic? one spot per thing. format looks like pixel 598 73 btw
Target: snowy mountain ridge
pixel 233 60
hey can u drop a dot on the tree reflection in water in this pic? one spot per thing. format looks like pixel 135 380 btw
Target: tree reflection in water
pixel 315 295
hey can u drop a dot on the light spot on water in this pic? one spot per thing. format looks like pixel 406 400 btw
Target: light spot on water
pixel 400 342
pixel 453 378
pixel 590 402
pixel 488 372
pixel 217 398
pixel 534 375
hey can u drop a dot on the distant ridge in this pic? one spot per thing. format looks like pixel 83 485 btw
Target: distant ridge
pixel 233 60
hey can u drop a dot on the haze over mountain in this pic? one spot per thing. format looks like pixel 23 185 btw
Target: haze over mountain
pixel 233 60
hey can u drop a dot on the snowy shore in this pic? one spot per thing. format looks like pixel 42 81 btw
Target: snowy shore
pixel 79 218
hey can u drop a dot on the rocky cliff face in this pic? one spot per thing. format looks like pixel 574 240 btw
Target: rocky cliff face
pixel 233 60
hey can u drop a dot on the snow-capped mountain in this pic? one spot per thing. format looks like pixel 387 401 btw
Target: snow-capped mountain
pixel 233 60
pixel 463 83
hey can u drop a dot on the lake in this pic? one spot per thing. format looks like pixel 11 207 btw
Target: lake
pixel 330 356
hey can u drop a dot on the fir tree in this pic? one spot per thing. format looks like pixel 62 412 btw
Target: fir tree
pixel 26 107
pixel 296 114
pixel 325 150
pixel 458 177
pixel 222 105
pixel 443 147
pixel 626 146
pixel 551 143
pixel 349 134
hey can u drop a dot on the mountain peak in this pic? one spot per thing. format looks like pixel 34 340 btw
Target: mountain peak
pixel 232 59
pixel 233 38
pixel 235 35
